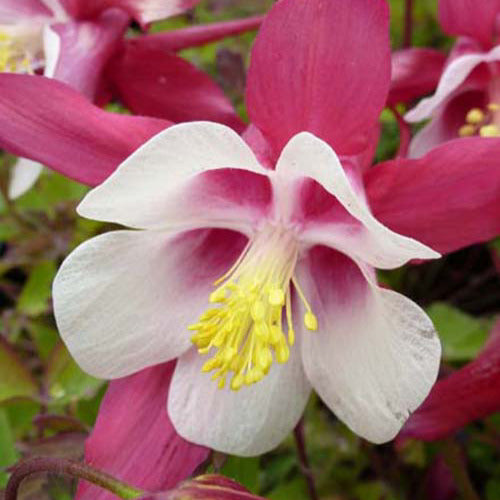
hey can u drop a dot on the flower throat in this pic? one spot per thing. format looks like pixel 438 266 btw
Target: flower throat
pixel 246 326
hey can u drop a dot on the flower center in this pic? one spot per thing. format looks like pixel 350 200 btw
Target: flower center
pixel 14 58
pixel 481 122
pixel 246 327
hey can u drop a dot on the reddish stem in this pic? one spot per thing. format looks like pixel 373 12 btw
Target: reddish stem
pixel 408 24
pixel 303 460
pixel 68 468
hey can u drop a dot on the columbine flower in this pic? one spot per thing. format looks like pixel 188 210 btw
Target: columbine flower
pixel 131 308
pixel 272 271
pixel 467 99
pixel 76 41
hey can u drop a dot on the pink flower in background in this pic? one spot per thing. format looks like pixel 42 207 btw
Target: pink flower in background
pixel 467 99
pixel 470 393
pixel 81 43
pixel 287 237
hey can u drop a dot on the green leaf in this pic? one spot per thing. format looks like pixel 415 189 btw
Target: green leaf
pixel 295 489
pixel 15 379
pixel 462 336
pixel 65 381
pixel 9 454
pixel 244 470
pixel 36 292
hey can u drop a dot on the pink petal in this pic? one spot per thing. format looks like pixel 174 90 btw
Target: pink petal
pixel 134 440
pixel 12 11
pixel 468 394
pixel 120 315
pixel 46 121
pixel 143 11
pixel 446 122
pixel 207 487
pixel 375 354
pixel 247 422
pixel 469 18
pixel 157 83
pixel 322 67
pixel 415 72
pixel 448 199
pixel 85 49
pixel 194 36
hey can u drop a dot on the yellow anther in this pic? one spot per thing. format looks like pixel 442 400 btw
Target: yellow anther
pixel 276 297
pixel 218 296
pixel 474 116
pixel 489 131
pixel 493 106
pixel 237 382
pixel 310 321
pixel 291 336
pixel 258 311
pixel 467 130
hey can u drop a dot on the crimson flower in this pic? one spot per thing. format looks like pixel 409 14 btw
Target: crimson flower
pixel 82 43
pixel 467 99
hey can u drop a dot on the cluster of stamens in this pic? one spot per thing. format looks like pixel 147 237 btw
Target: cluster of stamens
pixel 12 58
pixel 480 122
pixel 246 327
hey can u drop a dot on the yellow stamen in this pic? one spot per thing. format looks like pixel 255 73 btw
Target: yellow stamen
pixel 13 59
pixel 489 131
pixel 493 106
pixel 474 116
pixel 246 327
pixel 466 130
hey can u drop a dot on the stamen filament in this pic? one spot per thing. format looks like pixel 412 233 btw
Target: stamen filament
pixel 246 327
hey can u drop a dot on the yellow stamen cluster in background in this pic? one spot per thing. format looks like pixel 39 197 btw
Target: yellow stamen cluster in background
pixel 478 122
pixel 246 327
pixel 12 59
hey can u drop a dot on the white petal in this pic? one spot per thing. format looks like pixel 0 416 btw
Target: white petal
pixel 306 156
pixel 375 355
pixel 153 187
pixel 52 50
pixel 23 177
pixel 453 76
pixel 123 300
pixel 248 422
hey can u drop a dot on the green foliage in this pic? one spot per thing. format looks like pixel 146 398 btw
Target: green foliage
pixel 462 335
pixel 64 379
pixel 15 379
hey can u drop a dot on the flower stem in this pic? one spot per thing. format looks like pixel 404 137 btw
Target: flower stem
pixel 69 468
pixel 303 460
pixel 408 24
pixel 452 455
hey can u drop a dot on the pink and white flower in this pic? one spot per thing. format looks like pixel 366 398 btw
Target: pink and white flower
pixel 330 79
pixel 467 98
pixel 289 238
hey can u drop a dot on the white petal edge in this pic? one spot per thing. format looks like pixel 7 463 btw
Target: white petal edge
pixel 306 156
pixel 23 177
pixel 453 76
pixel 248 422
pixel 52 50
pixel 374 362
pixel 144 191
pixel 122 301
